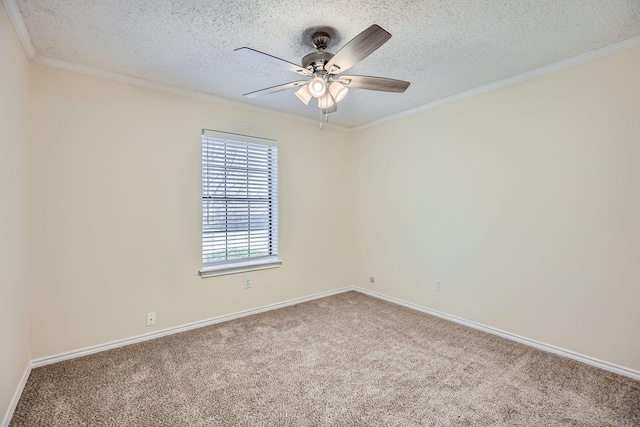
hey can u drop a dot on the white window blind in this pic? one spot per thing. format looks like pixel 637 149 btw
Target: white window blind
pixel 239 201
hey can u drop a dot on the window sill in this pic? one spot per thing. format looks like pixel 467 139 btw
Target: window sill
pixel 240 267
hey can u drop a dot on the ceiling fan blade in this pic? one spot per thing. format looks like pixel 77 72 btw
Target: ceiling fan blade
pixel 375 83
pixel 269 59
pixel 274 89
pixel 361 46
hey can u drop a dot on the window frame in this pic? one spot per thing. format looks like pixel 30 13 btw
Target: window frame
pixel 248 263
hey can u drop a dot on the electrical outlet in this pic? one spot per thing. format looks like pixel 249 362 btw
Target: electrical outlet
pixel 247 283
pixel 151 319
pixel 438 285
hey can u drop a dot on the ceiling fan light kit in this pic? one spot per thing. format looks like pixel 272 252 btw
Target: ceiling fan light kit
pixel 325 101
pixel 338 91
pixel 322 70
pixel 317 87
pixel 304 94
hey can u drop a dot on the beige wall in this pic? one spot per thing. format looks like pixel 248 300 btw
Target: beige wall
pixel 524 201
pixel 14 291
pixel 116 186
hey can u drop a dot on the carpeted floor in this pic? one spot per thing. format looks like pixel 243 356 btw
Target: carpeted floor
pixel 345 360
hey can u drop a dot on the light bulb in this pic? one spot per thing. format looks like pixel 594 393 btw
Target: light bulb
pixel 338 91
pixel 317 87
pixel 325 101
pixel 303 94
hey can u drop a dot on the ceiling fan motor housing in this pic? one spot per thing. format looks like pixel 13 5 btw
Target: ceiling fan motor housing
pixel 315 61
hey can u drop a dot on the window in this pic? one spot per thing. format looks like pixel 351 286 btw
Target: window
pixel 239 203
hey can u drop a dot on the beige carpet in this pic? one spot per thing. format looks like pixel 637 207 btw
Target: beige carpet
pixel 345 360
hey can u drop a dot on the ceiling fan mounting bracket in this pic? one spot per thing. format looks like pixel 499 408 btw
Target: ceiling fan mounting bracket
pixel 320 40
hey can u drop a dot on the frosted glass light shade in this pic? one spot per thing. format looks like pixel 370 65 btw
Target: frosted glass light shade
pixel 338 91
pixel 317 87
pixel 325 101
pixel 304 95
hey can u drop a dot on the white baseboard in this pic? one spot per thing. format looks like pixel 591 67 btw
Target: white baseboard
pixel 169 331
pixel 176 329
pixel 146 337
pixel 16 396
pixel 532 343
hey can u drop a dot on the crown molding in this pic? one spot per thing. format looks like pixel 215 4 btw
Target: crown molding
pixel 538 72
pixel 25 39
pixel 13 11
pixel 150 84
pixel 21 30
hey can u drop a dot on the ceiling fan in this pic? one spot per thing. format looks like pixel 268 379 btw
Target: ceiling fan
pixel 322 70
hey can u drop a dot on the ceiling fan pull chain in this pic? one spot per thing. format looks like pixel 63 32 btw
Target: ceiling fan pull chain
pixel 324 117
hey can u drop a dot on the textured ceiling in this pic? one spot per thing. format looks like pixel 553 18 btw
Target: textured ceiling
pixel 443 47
